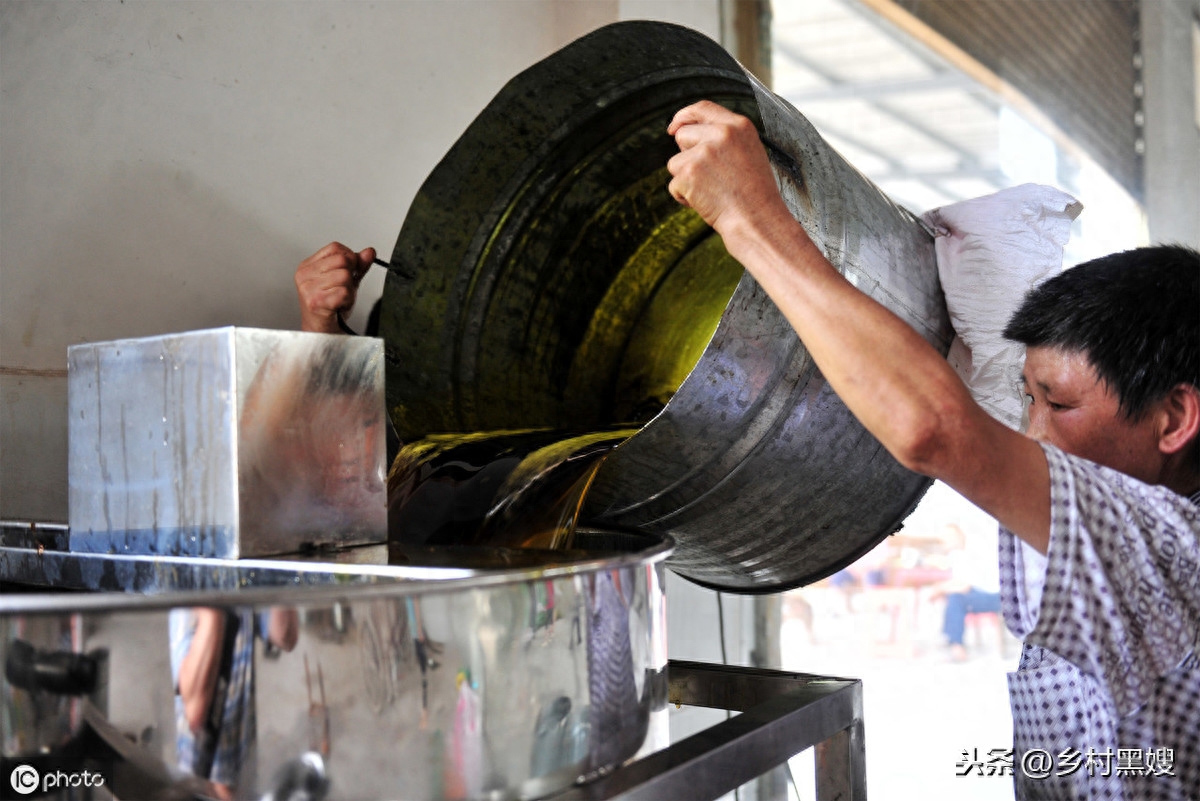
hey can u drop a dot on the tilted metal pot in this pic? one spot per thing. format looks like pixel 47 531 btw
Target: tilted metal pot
pixel 558 284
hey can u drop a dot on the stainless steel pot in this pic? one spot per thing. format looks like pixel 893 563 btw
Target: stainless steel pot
pixel 557 284
pixel 370 682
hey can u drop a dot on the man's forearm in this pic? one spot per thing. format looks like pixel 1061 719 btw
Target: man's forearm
pixel 895 383
pixel 901 389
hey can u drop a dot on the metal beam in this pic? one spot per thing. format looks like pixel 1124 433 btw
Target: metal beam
pixel 880 89
pixel 993 176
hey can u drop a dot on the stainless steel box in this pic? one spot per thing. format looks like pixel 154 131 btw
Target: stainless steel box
pixel 230 442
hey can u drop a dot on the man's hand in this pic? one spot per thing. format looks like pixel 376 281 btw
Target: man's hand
pixel 327 283
pixel 722 170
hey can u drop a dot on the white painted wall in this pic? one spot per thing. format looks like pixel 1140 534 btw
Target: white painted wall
pixel 165 166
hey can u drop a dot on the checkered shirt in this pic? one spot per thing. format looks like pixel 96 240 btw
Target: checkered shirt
pixel 236 741
pixel 1109 681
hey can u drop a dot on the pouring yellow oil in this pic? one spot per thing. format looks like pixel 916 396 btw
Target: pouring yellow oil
pixel 485 494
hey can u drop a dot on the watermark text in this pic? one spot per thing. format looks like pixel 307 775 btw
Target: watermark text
pixel 25 779
pixel 1038 763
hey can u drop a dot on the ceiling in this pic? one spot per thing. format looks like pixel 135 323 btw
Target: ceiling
pixel 922 130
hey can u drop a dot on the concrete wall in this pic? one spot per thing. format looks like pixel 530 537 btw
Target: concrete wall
pixel 165 166
pixel 1172 127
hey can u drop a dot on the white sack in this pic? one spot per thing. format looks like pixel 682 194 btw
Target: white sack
pixel 991 251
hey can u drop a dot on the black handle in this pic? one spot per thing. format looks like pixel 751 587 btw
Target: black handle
pixel 58 672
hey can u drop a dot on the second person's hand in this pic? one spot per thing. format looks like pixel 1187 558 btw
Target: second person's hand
pixel 327 284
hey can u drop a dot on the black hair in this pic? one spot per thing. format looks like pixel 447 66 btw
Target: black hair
pixel 338 366
pixel 1134 314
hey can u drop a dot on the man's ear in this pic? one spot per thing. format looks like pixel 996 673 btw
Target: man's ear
pixel 1181 418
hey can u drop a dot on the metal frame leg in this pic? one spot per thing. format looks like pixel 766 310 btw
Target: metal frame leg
pixel 842 765
pixel 782 715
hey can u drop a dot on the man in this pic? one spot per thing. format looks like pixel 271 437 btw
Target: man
pixel 1101 544
pixel 212 663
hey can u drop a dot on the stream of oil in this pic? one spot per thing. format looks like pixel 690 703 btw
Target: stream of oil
pixel 489 499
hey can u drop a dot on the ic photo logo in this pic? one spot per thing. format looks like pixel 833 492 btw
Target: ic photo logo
pixel 25 779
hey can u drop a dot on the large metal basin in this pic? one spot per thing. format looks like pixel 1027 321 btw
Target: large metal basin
pixel 400 682
pixel 558 284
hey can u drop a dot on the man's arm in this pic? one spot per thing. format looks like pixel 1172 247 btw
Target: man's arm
pixel 898 386
pixel 283 628
pixel 198 672
pixel 327 283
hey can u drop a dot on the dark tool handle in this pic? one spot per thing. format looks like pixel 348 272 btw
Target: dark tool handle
pixel 395 268
pixel 58 672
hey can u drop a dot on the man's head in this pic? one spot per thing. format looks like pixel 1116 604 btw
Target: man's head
pixel 1113 361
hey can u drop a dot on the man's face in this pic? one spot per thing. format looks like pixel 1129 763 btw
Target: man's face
pixel 1071 408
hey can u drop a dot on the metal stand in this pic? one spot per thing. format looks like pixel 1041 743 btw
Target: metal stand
pixel 782 715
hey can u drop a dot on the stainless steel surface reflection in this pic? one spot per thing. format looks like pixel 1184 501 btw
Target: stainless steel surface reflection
pixel 230 442
pixel 506 684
